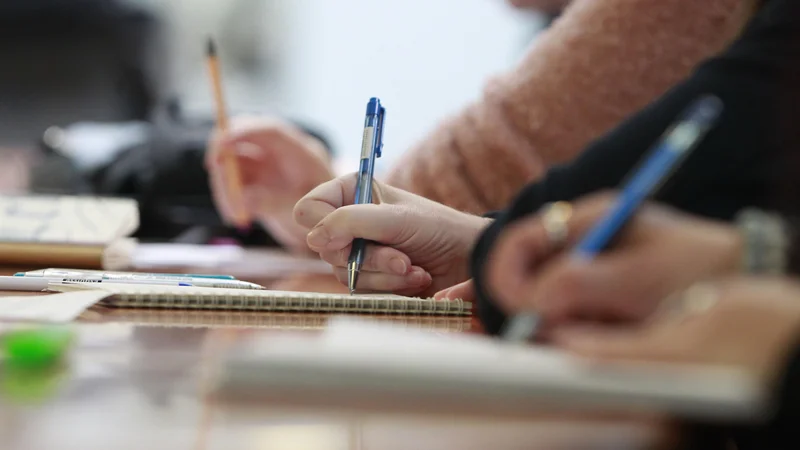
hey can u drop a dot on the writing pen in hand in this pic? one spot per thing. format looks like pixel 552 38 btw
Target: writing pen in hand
pixel 662 160
pixel 371 146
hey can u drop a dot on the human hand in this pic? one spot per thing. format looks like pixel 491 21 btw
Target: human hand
pixel 660 251
pixel 745 322
pixel 463 291
pixel 278 165
pixel 420 246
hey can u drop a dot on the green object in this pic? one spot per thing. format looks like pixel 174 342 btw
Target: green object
pixel 36 348
pixel 27 386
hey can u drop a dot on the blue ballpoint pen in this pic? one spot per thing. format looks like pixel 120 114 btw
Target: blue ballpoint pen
pixel 660 163
pixel 371 146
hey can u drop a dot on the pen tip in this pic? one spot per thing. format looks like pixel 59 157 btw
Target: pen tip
pixel 352 281
pixel 211 47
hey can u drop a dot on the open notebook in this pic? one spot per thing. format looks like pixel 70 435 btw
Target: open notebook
pixel 199 298
pixel 355 364
pixel 81 232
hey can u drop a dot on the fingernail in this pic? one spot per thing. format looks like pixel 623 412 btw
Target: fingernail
pixel 398 266
pixel 318 238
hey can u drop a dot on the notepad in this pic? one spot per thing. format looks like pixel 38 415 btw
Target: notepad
pixel 201 298
pixel 83 232
pixel 358 364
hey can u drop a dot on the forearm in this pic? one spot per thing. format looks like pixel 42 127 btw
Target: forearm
pixel 572 75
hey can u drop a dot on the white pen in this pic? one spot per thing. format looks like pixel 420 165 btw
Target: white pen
pixel 213 281
pixel 23 284
pixel 34 284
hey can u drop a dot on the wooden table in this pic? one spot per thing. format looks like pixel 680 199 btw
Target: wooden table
pixel 135 387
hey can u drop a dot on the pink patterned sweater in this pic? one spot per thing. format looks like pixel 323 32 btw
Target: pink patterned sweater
pixel 597 64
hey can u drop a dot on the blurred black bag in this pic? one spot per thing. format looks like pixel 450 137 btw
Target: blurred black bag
pixel 165 173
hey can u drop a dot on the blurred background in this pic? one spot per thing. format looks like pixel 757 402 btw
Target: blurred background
pixel 111 97
pixel 318 61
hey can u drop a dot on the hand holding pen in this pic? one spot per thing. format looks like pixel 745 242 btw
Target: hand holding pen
pixel 658 165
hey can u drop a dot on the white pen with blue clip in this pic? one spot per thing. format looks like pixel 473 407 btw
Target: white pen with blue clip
pixel 34 284
pixel 660 163
pixel 371 146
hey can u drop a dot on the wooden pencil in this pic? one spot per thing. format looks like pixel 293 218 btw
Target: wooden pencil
pixel 230 163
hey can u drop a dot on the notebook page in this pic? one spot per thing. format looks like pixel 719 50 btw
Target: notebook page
pixel 66 219
pixel 53 308
pixel 358 358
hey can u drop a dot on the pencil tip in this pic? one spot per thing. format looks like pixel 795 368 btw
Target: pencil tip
pixel 211 47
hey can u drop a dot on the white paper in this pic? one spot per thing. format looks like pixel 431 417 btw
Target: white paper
pixel 54 308
pixel 66 219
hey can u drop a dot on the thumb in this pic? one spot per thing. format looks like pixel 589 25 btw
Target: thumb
pixel 617 286
pixel 329 196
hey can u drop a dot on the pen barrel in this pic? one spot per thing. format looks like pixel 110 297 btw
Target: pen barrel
pixel 363 193
pixel 357 252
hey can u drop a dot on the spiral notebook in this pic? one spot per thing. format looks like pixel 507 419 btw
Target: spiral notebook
pixel 198 298
pixel 279 321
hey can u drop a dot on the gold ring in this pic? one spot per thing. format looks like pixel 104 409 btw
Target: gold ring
pixel 556 222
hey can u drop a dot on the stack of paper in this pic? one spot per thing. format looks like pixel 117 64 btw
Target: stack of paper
pixel 81 232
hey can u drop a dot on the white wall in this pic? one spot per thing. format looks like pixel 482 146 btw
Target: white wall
pixel 423 58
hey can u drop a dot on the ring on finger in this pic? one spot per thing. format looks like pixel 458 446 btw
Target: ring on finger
pixel 556 222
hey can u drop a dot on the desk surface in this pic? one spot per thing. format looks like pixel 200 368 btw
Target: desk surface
pixel 133 386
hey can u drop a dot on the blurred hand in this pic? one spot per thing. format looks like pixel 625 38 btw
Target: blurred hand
pixel 420 246
pixel 278 163
pixel 745 322
pixel 660 251
pixel 464 291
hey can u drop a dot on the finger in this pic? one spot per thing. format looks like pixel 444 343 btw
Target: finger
pixel 416 280
pixel 464 291
pixel 221 195
pixel 378 259
pixel 265 133
pixel 385 224
pixel 213 148
pixel 324 199
pixel 264 201
pixel 333 194
pixel 522 249
pixel 624 285
pixel 516 255
pixel 613 342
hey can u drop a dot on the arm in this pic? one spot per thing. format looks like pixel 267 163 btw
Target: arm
pixel 731 170
pixel 600 62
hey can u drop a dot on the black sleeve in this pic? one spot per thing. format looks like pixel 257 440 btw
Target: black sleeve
pixel 731 169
